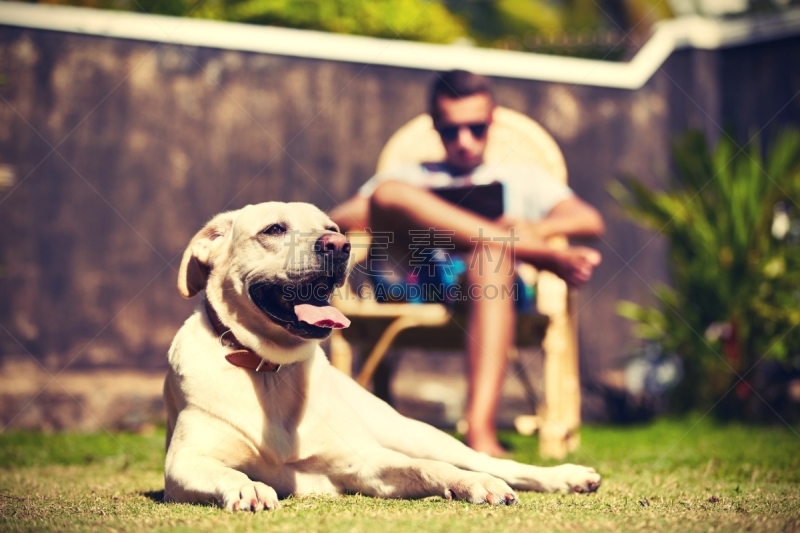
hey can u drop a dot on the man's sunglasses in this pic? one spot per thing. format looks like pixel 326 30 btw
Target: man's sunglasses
pixel 450 133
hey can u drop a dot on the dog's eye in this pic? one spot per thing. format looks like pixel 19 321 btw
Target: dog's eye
pixel 331 228
pixel 275 229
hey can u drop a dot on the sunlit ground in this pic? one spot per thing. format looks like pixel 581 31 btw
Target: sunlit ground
pixel 672 475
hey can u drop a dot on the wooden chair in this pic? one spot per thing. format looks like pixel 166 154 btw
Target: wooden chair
pixel 513 139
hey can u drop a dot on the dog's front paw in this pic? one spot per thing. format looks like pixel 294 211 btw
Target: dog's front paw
pixel 574 478
pixel 253 496
pixel 480 488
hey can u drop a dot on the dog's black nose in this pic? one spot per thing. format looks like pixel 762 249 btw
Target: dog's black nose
pixel 334 244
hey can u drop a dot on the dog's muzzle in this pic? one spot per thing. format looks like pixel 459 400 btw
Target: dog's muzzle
pixel 301 306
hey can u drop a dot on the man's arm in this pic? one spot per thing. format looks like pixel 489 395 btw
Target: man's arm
pixel 353 214
pixel 571 217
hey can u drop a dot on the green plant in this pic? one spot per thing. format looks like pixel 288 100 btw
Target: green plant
pixel 734 261
pixel 572 27
pixel 416 20
pixel 404 19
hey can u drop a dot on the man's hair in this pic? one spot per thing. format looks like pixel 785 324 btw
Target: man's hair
pixel 456 84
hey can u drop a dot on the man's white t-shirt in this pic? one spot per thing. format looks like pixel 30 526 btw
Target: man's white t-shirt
pixel 529 192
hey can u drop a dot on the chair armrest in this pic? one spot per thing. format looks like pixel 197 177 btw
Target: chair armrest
pixel 551 291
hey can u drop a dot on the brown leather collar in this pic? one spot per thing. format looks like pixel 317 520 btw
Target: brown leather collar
pixel 242 356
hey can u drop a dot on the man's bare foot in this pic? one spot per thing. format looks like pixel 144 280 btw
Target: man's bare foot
pixel 487 443
pixel 575 265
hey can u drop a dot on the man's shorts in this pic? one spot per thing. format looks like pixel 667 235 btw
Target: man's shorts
pixel 444 281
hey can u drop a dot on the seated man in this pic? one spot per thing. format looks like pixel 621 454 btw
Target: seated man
pixel 536 207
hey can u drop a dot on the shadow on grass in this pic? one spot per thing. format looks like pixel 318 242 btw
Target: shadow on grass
pixel 156 496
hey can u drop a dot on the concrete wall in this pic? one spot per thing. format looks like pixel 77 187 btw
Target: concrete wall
pixel 121 149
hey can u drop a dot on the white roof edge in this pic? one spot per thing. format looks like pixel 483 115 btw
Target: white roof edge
pixel 670 35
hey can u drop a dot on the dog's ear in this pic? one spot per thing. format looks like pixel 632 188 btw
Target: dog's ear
pixel 196 263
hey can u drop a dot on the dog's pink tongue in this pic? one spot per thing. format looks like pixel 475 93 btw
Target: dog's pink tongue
pixel 322 317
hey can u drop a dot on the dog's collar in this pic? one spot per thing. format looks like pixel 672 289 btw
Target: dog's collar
pixel 242 356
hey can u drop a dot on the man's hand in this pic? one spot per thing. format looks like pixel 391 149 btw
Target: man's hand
pixel 575 265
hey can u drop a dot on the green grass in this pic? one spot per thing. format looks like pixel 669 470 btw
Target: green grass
pixel 670 476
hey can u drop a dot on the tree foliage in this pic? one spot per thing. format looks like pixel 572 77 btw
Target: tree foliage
pixel 405 19
pixel 416 20
pixel 515 24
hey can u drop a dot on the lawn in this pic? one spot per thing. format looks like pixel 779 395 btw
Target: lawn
pixel 675 475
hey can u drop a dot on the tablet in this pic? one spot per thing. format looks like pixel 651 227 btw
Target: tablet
pixel 484 200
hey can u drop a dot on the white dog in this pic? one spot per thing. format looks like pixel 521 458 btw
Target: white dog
pixel 256 412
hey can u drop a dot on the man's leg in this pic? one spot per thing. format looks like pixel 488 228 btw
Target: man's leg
pixel 398 207
pixel 490 333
